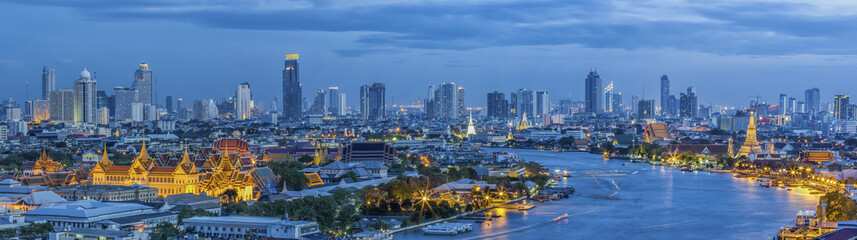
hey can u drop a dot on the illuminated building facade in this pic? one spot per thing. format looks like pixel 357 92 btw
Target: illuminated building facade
pixel 751 145
pixel 183 178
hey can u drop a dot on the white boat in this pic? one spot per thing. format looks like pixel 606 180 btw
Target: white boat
pixel 764 182
pixel 447 228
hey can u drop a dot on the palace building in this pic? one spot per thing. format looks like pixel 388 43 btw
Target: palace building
pixel 228 166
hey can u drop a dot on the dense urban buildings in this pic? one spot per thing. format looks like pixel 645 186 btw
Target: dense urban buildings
pixel 593 98
pixel 143 84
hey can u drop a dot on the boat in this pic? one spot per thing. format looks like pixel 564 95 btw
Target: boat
pixel 447 228
pixel 625 164
pixel 687 169
pixel 764 182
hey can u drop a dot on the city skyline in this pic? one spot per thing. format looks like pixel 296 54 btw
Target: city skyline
pixel 477 68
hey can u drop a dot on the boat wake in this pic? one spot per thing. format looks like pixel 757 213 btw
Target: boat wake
pixel 666 225
pixel 558 218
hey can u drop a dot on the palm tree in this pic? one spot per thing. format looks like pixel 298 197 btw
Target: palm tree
pixel 230 194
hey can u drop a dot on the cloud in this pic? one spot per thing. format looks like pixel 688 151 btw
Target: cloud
pixel 759 27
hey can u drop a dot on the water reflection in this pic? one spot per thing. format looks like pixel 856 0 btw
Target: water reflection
pixel 641 201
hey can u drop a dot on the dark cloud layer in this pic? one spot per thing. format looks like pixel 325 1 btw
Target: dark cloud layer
pixel 742 28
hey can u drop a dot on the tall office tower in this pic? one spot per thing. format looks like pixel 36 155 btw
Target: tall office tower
pixel 39 110
pixel 446 101
pixel 781 108
pixel 49 82
pixel 12 110
pixel 635 104
pixel 179 104
pixel 364 102
pixel 123 102
pixel 200 110
pixel 608 97
pixel 813 100
pixel 665 95
pixel 594 100
pixel 689 104
pixel 101 99
pixel 672 106
pixel 526 102
pixel 840 105
pixel 102 116
pixel 319 105
pixel 800 107
pixel 62 105
pixel 274 105
pixel 85 99
pixel 143 83
pixel 791 106
pixel 461 107
pixel 169 104
pixel 292 98
pixel 211 110
pixel 617 102
pixel 513 104
pixel 335 102
pixel 376 101
pixel 646 109
pixel 243 101
pixel 543 106
pixel 497 105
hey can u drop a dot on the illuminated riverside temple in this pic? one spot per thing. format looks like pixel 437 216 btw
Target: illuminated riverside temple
pixel 224 169
pixel 751 145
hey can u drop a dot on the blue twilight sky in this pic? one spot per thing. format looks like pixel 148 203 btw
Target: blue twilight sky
pixel 728 50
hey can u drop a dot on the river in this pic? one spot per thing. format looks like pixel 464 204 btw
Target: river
pixel 641 201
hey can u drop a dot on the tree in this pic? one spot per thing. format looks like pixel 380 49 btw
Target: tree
pixel 566 142
pixel 839 207
pixel 35 228
pixel 306 158
pixel 230 195
pixel 164 231
pixel 350 174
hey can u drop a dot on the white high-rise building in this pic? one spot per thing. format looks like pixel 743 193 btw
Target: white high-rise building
pixel 335 102
pixel 543 106
pixel 85 99
pixel 49 82
pixel 62 106
pixel 243 101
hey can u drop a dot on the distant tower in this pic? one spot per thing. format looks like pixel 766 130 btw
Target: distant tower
pixel 49 82
pixel 292 95
pixel 594 99
pixel 813 100
pixel 143 84
pixel 243 101
pixel 471 130
pixel 665 95
pixel 85 100
pixel 751 145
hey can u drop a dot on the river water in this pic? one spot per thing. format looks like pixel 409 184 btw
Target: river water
pixel 640 201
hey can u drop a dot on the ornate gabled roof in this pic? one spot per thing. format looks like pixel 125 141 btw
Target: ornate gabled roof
pixel 46 164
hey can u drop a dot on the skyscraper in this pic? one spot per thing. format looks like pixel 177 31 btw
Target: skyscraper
pixel 335 102
pixel 38 110
pixel 542 104
pixel 243 101
pixel 497 105
pixel 364 101
pixel 62 105
pixel 781 108
pixel 594 100
pixel 608 97
pixel 376 101
pixel 526 102
pixel 665 95
pixel 85 99
pixel 646 109
pixel 812 100
pixel 446 101
pixel 49 82
pixel 791 106
pixel 617 102
pixel 292 98
pixel 513 104
pixel 461 107
pixel 169 104
pixel 143 84
pixel 840 104
pixel 319 104
pixel 689 104
pixel 124 99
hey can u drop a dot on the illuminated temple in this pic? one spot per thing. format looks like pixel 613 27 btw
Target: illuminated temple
pixel 227 166
pixel 751 145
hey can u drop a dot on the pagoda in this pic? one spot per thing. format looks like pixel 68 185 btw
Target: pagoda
pixel 751 145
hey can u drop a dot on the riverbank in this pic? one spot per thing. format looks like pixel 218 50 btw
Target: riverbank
pixel 412 227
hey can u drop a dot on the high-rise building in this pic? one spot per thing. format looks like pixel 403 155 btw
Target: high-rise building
pixel 542 104
pixel 497 105
pixel 646 109
pixel 672 106
pixel 62 105
pixel 85 99
pixel 594 100
pixel 376 101
pixel 461 107
pixel 319 105
pixel 812 100
pixel 526 102
pixel 102 116
pixel 608 97
pixel 169 104
pixel 513 104
pixel 49 81
pixel 335 102
pixel 801 107
pixel 123 101
pixel 143 83
pixel 840 104
pixel 665 95
pixel 12 110
pixel 38 110
pixel 781 108
pixel 446 101
pixel 364 102
pixel 689 104
pixel 791 106
pixel 200 109
pixel 243 101
pixel 617 102
pixel 292 96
